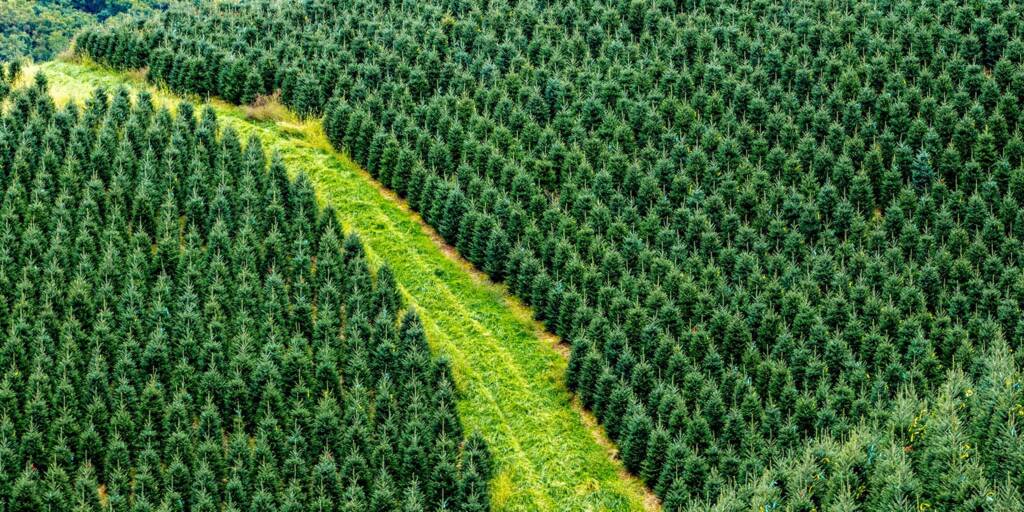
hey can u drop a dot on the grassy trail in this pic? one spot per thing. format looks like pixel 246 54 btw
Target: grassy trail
pixel 509 373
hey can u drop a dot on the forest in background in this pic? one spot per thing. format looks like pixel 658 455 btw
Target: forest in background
pixel 39 30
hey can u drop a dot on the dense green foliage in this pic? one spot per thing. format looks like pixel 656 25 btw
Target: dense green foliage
pixel 783 238
pixel 40 29
pixel 185 329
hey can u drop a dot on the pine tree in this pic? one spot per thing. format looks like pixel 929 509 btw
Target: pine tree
pixel 413 501
pixel 615 410
pixel 675 460
pixel 336 118
pixel 25 492
pixel 388 162
pixel 375 153
pixel 496 254
pixel 444 475
pixel 677 497
pixel 601 391
pixel 921 172
pixel 578 351
pixel 353 499
pixel 383 495
pixel 636 431
pixel 251 87
pixel 453 207
pixel 589 370
pixel 657 446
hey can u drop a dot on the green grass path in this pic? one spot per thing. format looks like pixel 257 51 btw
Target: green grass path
pixel 510 375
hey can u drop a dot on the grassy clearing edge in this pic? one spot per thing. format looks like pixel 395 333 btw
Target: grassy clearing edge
pixel 552 454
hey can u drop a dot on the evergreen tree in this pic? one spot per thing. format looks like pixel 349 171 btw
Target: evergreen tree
pixel 615 411
pixel 921 172
pixel 635 434
pixel 496 254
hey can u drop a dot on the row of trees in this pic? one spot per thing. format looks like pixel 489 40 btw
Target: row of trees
pixel 184 328
pixel 766 228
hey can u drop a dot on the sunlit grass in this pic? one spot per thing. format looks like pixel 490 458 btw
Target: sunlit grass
pixel 509 374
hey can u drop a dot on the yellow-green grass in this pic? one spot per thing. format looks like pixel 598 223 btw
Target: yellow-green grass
pixel 508 372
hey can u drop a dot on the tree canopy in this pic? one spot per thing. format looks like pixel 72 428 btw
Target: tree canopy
pixel 183 327
pixel 784 239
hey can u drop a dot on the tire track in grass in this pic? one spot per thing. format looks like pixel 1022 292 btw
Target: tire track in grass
pixel 509 373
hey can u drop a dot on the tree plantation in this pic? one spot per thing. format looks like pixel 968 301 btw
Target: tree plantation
pixel 783 240
pixel 185 329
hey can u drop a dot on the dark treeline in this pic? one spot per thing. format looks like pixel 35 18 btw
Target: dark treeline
pixel 184 329
pixel 783 238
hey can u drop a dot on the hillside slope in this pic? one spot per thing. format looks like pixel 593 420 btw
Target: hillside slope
pixel 510 376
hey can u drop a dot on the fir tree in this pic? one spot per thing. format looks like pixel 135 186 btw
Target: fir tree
pixel 921 172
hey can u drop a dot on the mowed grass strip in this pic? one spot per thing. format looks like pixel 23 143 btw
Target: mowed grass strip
pixel 509 374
